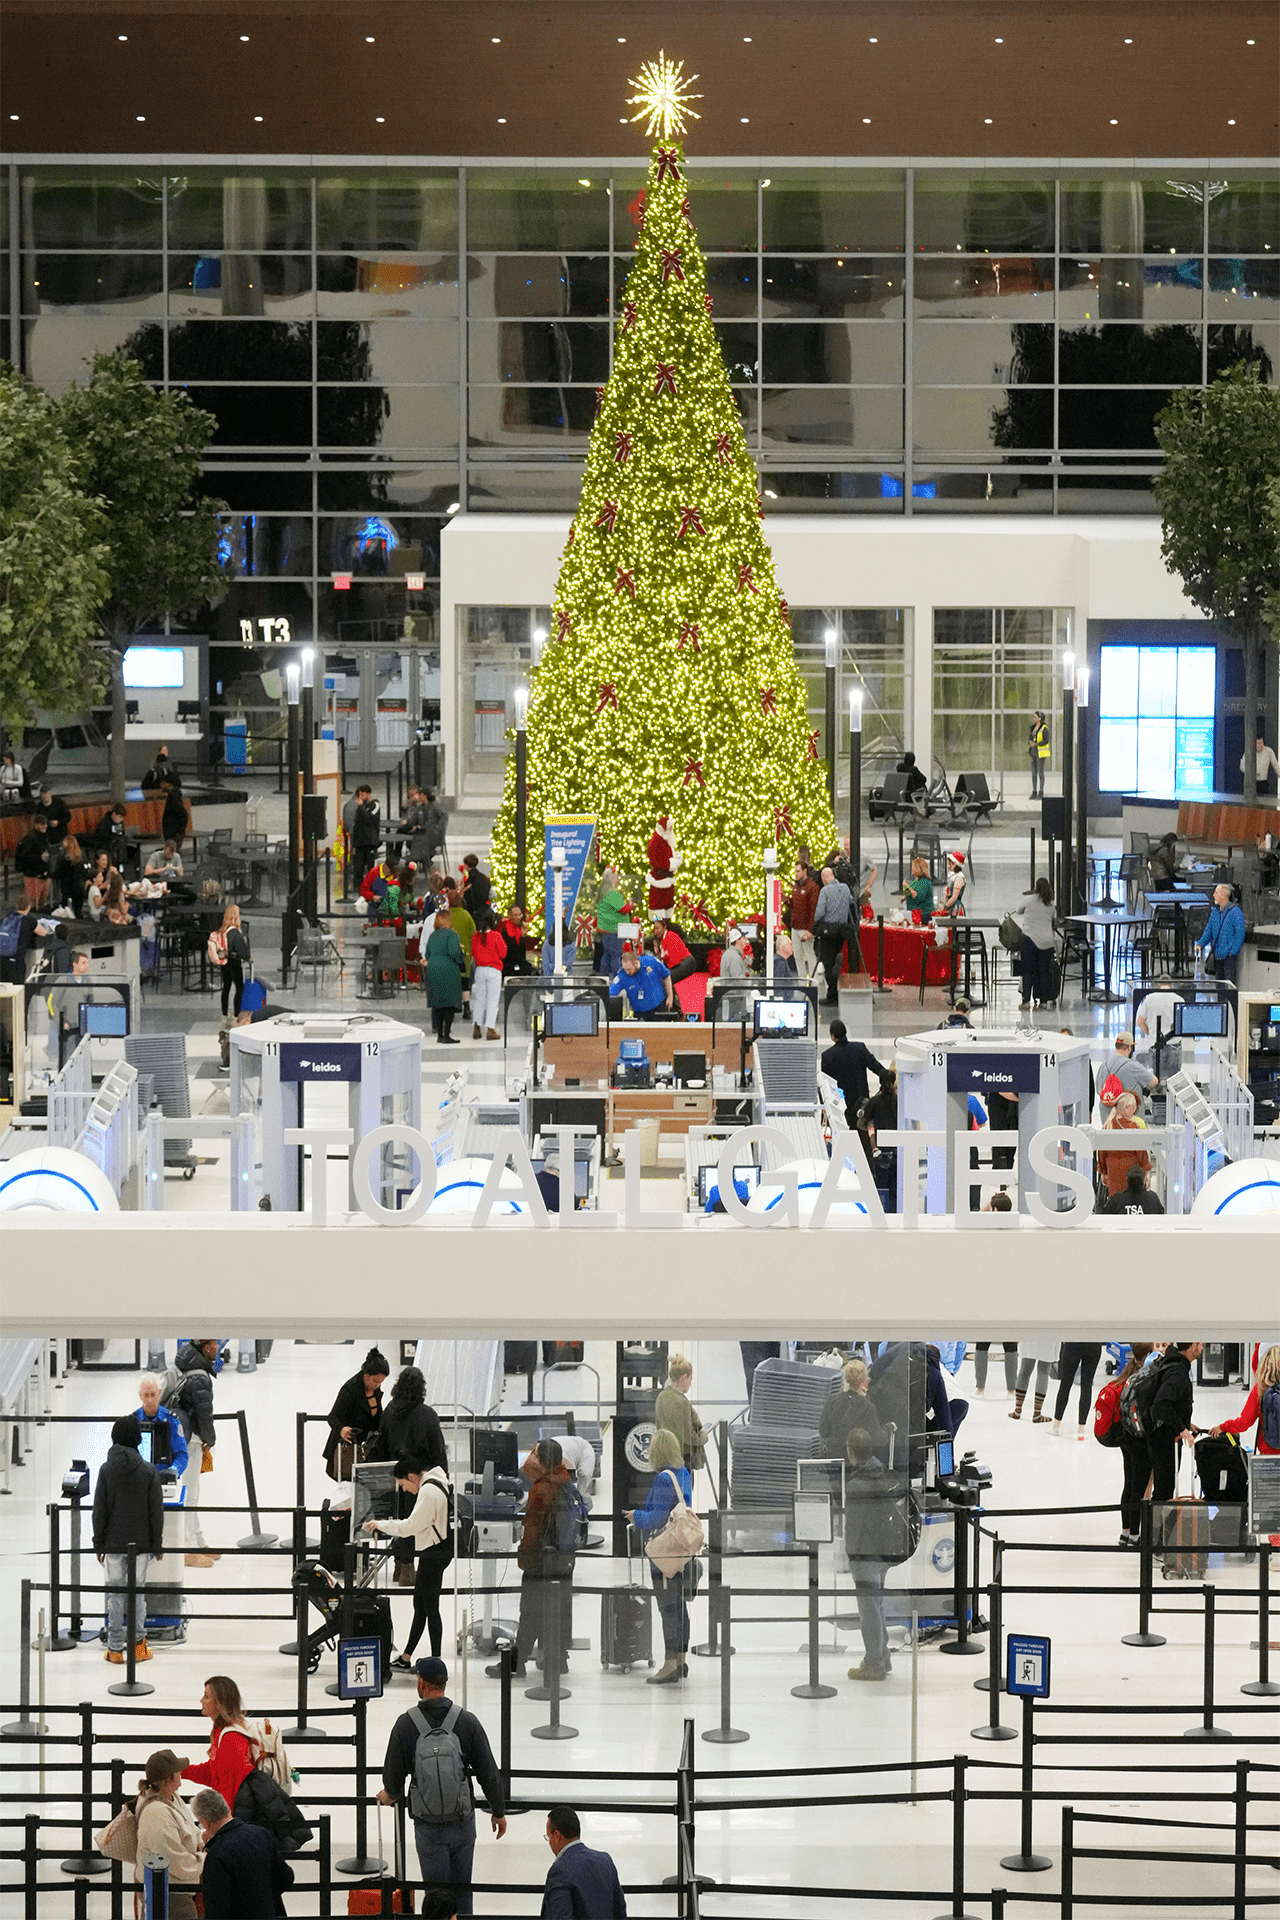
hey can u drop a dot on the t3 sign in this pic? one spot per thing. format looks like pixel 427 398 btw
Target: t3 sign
pixel 993 1073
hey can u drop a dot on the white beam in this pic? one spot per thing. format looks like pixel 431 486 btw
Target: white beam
pixel 274 1274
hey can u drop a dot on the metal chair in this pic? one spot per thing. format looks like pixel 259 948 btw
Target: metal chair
pixel 316 948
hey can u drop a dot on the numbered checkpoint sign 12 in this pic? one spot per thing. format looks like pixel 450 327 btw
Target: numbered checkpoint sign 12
pixel 359 1669
pixel 1027 1665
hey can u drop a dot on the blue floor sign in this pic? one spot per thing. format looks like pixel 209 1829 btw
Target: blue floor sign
pixel 1027 1665
pixel 359 1669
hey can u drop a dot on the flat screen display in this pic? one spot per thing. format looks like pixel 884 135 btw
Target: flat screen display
pixel 1156 709
pixel 747 1177
pixel 154 667
pixel 561 1018
pixel 106 1022
pixel 946 1458
pixel 1204 1020
pixel 775 1017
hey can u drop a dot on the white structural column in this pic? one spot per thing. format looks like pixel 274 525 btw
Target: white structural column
pixel 919 639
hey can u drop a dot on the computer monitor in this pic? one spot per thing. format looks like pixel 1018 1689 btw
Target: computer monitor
pixel 709 1176
pixel 946 1458
pixel 109 1021
pixel 780 1019
pixel 689 1069
pixel 499 1444
pixel 564 1018
pixel 144 1444
pixel 1201 1019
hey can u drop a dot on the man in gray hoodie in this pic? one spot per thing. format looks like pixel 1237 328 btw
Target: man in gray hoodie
pixel 128 1511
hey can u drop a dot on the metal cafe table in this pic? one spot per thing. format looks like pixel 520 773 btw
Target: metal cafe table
pixel 1108 920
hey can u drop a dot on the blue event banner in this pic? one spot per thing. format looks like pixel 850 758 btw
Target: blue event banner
pixel 985 1073
pixel 575 833
pixel 337 1060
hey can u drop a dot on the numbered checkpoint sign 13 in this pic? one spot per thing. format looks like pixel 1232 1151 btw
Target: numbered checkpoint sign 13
pixel 359 1669
pixel 1027 1665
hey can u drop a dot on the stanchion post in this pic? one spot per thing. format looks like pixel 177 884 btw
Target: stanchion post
pixel 710 1648
pixel 552 1651
pixel 1025 1861
pixel 257 1538
pixel 361 1861
pixel 86 1861
pixel 813 1689
pixel 302 1731
pixel 506 1660
pixel 77 1633
pixel 24 1727
pixel 993 1681
pixel 726 1734
pixel 959 1795
pixel 58 1642
pixel 1206 1730
pixel 880 950
pixel 1264 1684
pixel 1068 1888
pixel 290 1647
pixel 324 1865
pixel 131 1684
pixel 964 1641
pixel 117 1866
pixel 1241 1796
pixel 30 1865
pixel 1144 1636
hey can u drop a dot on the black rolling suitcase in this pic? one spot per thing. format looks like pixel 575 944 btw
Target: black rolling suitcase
pixel 562 1353
pixel 626 1623
pixel 519 1356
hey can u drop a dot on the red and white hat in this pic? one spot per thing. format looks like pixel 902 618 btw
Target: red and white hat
pixel 955 859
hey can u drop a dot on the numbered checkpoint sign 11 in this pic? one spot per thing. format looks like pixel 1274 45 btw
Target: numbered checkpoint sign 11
pixel 359 1669
pixel 1027 1665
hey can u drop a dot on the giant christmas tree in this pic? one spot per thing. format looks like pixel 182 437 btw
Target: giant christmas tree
pixel 669 685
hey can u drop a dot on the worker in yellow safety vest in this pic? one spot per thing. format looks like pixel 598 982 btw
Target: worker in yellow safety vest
pixel 1038 753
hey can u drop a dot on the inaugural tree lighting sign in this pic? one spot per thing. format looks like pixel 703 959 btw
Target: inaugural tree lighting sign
pixel 1053 1181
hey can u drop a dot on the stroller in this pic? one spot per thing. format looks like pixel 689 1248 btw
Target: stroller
pixel 321 1581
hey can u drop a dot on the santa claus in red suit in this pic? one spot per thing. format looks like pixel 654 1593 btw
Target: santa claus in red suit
pixel 663 862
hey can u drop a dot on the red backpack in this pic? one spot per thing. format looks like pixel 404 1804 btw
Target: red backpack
pixel 1106 1415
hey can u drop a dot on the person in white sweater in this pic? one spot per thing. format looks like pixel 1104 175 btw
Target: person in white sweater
pixel 428 1526
pixel 166 1825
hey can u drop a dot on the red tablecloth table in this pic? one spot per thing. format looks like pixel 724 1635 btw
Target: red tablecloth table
pixel 902 955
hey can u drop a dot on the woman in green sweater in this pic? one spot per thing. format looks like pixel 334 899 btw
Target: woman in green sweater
pixel 675 1412
pixel 918 892
pixel 610 902
pixel 444 977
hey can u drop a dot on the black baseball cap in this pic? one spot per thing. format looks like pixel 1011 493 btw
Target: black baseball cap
pixel 433 1671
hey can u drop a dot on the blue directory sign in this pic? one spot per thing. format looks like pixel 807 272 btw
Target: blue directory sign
pixel 359 1669
pixel 1027 1665
pixel 575 833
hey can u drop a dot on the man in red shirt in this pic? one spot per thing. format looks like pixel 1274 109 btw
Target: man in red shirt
pixel 804 898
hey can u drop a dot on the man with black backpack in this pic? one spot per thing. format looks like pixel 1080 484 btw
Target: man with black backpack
pixel 438 1748
pixel 552 1534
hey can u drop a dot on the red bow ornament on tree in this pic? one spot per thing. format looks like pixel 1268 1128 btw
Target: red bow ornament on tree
pixel 722 449
pixel 599 398
pixel 621 448
pixel 688 632
pixel 671 265
pixel 664 376
pixel 746 583
pixel 708 303
pixel 668 163
pixel 608 696
pixel 625 582
pixel 684 208
pixel 563 624
pixel 782 822
pixel 628 316
pixel 607 515
pixel 813 744
pixel 784 611
pixel 693 771
pixel 769 701
pixel 689 522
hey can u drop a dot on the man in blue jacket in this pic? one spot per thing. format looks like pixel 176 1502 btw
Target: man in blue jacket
pixel 1223 935
pixel 582 1884
pixel 168 1436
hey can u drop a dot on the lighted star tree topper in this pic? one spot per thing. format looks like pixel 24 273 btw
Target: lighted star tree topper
pixel 669 684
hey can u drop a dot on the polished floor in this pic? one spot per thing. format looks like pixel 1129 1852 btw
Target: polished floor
pixel 624 1724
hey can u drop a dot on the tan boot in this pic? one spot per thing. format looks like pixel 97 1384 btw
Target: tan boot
pixel 475 1031
pixel 494 1034
pixel 199 1560
pixel 664 1672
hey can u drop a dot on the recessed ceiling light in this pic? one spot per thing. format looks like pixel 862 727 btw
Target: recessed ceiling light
pixel 257 119
pixel 746 39
pixel 745 121
pixel 244 36
pixel 999 40
pixel 380 119
pixel 368 40
pixel 1231 123
pixel 865 121
pixel 874 42
pixel 1250 43
pixel 13 116
pixel 622 39
pixel 139 117
pixel 582 182
pixel 502 120
pixel 1115 123
pixel 986 123
pixel 122 36
pixel 622 119
pixel 495 40
pixel 453 506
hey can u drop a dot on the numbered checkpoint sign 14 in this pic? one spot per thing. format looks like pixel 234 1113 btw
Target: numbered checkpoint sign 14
pixel 1027 1665
pixel 359 1669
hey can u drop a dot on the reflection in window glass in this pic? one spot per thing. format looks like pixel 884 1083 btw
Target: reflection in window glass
pixel 260 212
pixel 258 545
pixel 239 350
pixel 257 416
pixel 396 351
pixel 94 282
pixel 824 212
pixel 1110 417
pixel 530 416
pixel 1129 356
pixel 1244 290
pixel 533 351
pixel 380 544
pixel 739 345
pixel 983 212
pixel 401 489
pixel 863 419
pixel 969 420
pixel 1244 215
pixel 244 284
pixel 510 209
pixel 494 656
pixel 723 204
pixel 389 417
pixel 1123 287
pixel 406 212
pixel 862 352
pixel 1015 287
pixel 950 354
pixel 731 282
pixel 507 488
pixel 401 286
pixel 1123 214
pixel 59 348
pixel 89 207
pixel 505 284
pixel 849 287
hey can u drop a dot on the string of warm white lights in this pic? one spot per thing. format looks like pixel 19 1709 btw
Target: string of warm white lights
pixel 669 684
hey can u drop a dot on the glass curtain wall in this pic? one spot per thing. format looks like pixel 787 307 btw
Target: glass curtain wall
pixel 377 344
pixel 993 667
pixel 873 655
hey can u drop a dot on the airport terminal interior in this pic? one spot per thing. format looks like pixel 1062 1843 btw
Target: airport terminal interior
pixel 672 696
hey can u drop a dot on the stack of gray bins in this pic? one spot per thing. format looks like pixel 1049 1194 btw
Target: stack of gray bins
pixel 787 1398
pixel 163 1057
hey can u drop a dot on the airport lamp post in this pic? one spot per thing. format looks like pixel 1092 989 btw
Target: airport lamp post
pixel 832 640
pixel 557 875
pixel 1066 902
pixel 770 862
pixel 308 763
pixel 522 795
pixel 1082 784
pixel 855 792
pixel 289 919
